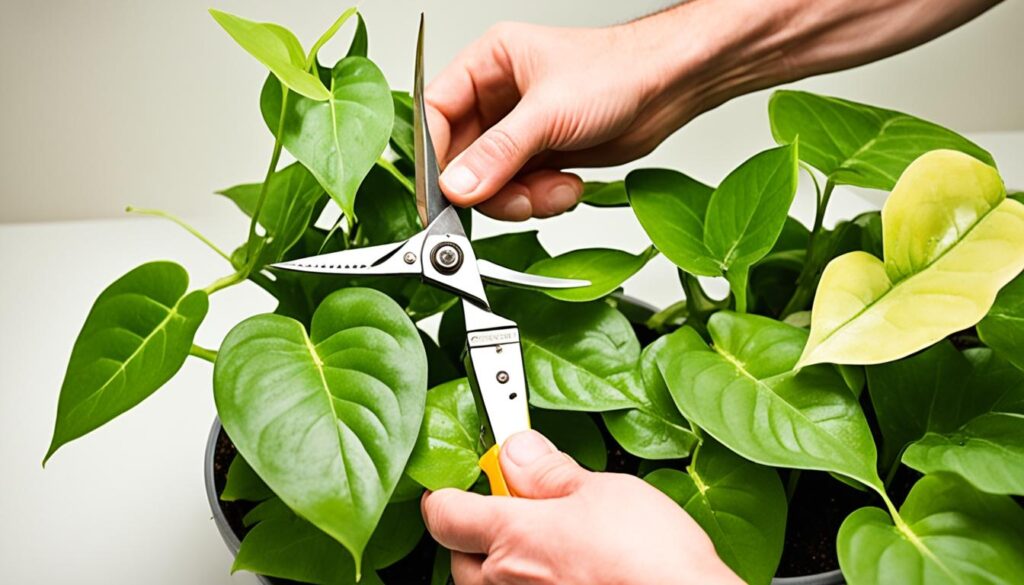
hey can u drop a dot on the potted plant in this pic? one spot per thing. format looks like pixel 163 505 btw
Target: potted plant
pixel 856 404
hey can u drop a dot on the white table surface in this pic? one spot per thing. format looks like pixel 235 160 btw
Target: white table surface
pixel 126 504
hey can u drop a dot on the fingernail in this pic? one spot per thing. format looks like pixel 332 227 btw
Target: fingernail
pixel 526 447
pixel 517 208
pixel 563 196
pixel 459 180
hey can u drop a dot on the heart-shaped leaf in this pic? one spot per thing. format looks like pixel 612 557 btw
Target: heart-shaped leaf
pixel 952 239
pixel 327 419
pixel 339 139
pixel 671 208
pixel 745 393
pixel 1002 329
pixel 606 269
pixel 961 413
pixel 402 137
pixel 571 350
pixel 857 144
pixel 947 533
pixel 741 505
pixel 271 547
pixel 654 429
pixel 447 451
pixel 721 232
pixel 292 195
pixel 278 49
pixel 385 208
pixel 601 194
pixel 358 44
pixel 136 337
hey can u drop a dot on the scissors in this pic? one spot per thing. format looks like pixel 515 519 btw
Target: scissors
pixel 442 256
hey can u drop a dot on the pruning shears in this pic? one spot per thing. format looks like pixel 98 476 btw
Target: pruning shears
pixel 442 256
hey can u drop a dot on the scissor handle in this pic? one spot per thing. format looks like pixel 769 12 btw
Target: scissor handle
pixel 491 465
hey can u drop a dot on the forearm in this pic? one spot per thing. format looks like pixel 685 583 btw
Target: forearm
pixel 714 50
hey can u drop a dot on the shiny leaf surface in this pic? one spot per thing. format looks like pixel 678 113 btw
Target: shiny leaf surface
pixel 571 350
pixel 447 450
pixel 135 338
pixel 741 505
pixel 338 139
pixel 949 533
pixel 1002 329
pixel 744 392
pixel 604 268
pixel 857 144
pixel 328 419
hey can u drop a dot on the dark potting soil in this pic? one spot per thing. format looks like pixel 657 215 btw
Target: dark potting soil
pixel 820 504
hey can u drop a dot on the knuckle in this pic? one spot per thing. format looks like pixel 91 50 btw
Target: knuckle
pixel 503 30
pixel 499 144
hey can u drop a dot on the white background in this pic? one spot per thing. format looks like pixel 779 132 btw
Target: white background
pixel 108 103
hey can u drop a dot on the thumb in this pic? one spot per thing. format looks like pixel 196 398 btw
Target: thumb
pixel 495 157
pixel 536 469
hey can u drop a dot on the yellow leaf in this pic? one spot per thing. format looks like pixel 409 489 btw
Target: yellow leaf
pixel 951 240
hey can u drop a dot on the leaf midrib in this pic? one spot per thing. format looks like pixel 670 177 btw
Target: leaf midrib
pixel 736 364
pixel 894 284
pixel 171 313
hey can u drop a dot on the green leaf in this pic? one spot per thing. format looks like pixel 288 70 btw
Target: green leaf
pixel 952 240
pixel 571 350
pixel 747 212
pixel 136 337
pixel 741 505
pixel 244 484
pixel 447 450
pixel 857 144
pixel 745 393
pixel 292 195
pixel 442 570
pixel 601 194
pixel 1002 329
pixel 948 533
pixel 385 208
pixel 606 269
pixel 339 139
pixel 360 45
pixel 278 49
pixel 517 251
pixel 327 419
pixel 333 30
pixel 952 412
pixel 671 208
pixel 654 429
pixel 725 231
pixel 283 545
pixel 402 132
pixel 574 433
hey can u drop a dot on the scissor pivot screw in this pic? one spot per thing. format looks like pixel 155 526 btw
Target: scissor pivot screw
pixel 446 258
pixel 409 258
pixel 502 377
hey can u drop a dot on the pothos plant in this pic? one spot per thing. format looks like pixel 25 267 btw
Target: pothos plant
pixel 889 345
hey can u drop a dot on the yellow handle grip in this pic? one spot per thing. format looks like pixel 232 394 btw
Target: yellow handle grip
pixel 491 465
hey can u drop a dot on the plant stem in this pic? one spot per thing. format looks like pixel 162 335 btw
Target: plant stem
pixel 391 168
pixel 181 223
pixel 271 168
pixel 202 353
pixel 225 281
pixel 808 279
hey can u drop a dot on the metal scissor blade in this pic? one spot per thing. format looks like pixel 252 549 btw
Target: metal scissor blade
pixel 430 201
pixel 387 259
pixel 497 274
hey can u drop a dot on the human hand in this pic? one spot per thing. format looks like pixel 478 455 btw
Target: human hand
pixel 569 526
pixel 525 101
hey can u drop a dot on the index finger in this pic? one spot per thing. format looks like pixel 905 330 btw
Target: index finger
pixel 465 521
